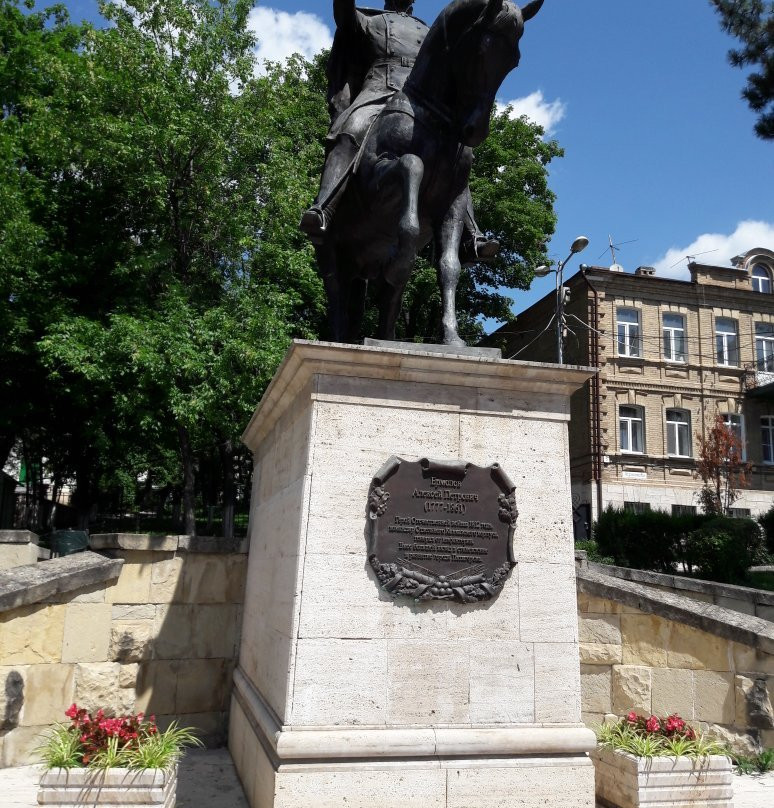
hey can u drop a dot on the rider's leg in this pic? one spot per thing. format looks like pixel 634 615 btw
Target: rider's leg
pixel 338 164
pixel 475 246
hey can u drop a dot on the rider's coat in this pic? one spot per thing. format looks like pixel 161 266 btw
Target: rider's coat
pixel 387 43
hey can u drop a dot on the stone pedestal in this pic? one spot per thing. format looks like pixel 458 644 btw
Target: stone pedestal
pixel 346 697
pixel 17 548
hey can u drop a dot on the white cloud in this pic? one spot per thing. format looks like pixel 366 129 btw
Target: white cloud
pixel 718 248
pixel 280 34
pixel 546 113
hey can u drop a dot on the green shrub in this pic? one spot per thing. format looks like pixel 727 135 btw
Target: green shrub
pixel 591 548
pixel 723 549
pixel 766 521
pixel 648 541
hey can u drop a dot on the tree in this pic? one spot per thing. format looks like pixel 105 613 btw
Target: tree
pixel 752 22
pixel 721 468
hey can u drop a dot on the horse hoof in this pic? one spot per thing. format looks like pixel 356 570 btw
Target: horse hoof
pixel 455 342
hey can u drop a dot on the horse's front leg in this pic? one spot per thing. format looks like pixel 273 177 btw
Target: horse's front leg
pixel 449 268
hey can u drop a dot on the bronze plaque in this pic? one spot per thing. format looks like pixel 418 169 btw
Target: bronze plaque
pixel 441 531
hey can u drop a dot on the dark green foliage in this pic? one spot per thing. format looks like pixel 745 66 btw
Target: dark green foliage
pixel 717 548
pixel 591 548
pixel 758 764
pixel 646 541
pixel 766 521
pixel 723 549
pixel 752 22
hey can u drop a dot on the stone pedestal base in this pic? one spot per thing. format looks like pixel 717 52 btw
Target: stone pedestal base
pixel 345 696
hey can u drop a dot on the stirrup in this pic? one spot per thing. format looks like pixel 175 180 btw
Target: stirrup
pixel 314 224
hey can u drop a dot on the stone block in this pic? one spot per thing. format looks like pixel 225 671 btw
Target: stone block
pixel 598 654
pixel 547 607
pixel 127 674
pixel 750 660
pixel 95 593
pixel 86 632
pixel 520 786
pixel 691 648
pixel 19 746
pixel 156 688
pixel 96 686
pixel 604 629
pixel 644 639
pixel 166 573
pixel 429 683
pixel 206 579
pixel 131 641
pixel 48 692
pixel 557 683
pixel 134 614
pixel 673 692
pixel 32 634
pixel 134 582
pixel 343 682
pixel 203 685
pixel 596 689
pixel 632 689
pixel 502 682
pixel 714 697
pixel 12 695
pixel 591 605
pixel 753 702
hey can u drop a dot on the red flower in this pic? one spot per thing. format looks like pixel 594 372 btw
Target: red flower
pixel 632 717
pixel 652 724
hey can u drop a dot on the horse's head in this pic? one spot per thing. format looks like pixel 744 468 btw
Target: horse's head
pixel 481 58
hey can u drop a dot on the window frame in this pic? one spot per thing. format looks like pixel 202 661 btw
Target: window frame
pixel 673 330
pixel 756 279
pixel 727 416
pixel 628 338
pixel 631 420
pixel 768 427
pixel 678 424
pixel 764 344
pixel 724 335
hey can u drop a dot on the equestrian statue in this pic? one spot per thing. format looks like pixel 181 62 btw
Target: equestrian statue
pixel 408 104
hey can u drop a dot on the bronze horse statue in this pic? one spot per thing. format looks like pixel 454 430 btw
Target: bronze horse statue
pixel 409 181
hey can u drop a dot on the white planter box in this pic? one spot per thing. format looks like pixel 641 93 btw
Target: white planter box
pixel 626 781
pixel 108 788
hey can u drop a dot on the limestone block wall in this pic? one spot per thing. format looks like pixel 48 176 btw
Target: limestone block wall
pixel 158 634
pixel 17 548
pixel 639 651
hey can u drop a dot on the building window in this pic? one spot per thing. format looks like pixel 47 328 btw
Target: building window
pixel 630 421
pixel 628 322
pixel 767 438
pixel 674 338
pixel 764 346
pixel 637 507
pixel 726 341
pixel 683 510
pixel 735 423
pixel 761 279
pixel 678 433
pixel 739 513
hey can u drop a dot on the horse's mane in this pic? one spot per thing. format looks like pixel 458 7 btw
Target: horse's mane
pixel 454 19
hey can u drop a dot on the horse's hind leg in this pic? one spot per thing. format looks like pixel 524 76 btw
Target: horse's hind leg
pixel 449 267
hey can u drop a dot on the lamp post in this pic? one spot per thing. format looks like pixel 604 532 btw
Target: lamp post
pixel 577 246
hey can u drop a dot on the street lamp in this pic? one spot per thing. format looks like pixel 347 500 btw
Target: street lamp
pixel 577 246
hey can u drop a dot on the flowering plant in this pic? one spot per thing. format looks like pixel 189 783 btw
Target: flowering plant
pixel 102 741
pixel 653 736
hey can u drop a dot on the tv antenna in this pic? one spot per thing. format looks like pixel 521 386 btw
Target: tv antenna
pixel 613 247
pixel 690 258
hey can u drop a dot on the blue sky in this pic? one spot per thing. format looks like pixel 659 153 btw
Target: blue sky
pixel 659 146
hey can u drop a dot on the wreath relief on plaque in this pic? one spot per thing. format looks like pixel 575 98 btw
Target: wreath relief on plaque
pixel 441 530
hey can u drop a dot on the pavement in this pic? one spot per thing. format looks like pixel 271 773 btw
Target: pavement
pixel 207 779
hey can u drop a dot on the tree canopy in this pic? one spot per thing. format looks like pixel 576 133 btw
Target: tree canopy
pixel 752 22
pixel 152 270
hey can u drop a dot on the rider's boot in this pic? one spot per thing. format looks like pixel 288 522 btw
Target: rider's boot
pixel 476 247
pixel 338 164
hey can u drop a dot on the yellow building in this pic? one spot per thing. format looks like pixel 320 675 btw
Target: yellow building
pixel 672 355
